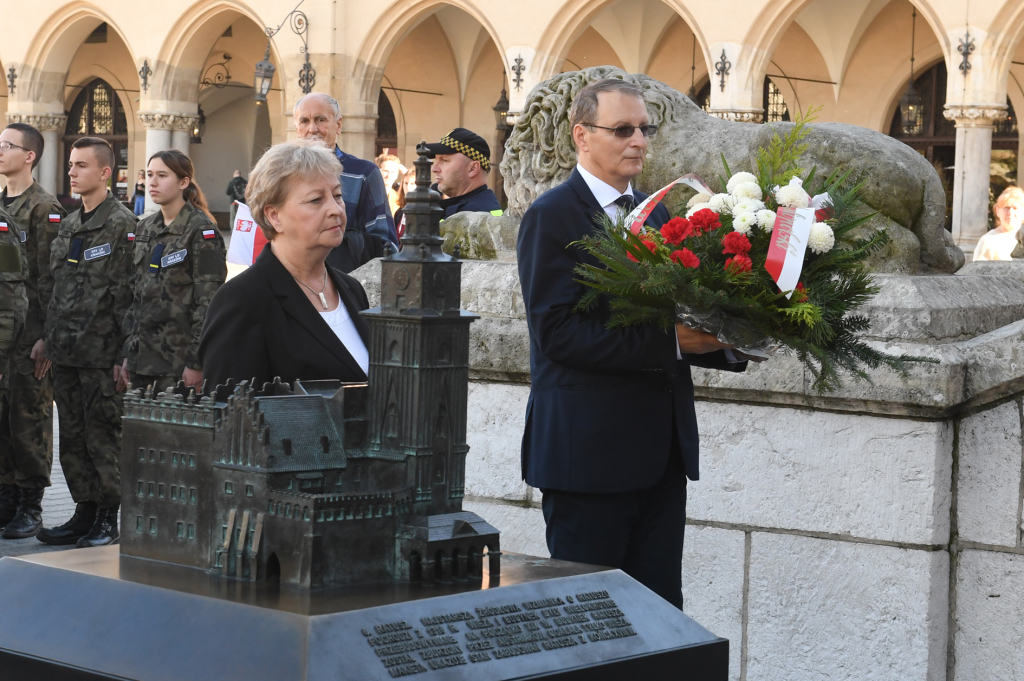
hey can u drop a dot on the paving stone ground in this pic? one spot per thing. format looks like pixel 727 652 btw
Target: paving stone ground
pixel 57 508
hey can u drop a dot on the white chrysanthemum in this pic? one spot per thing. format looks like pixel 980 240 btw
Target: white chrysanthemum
pixel 695 208
pixel 744 222
pixel 721 203
pixel 737 179
pixel 821 238
pixel 747 190
pixel 792 195
pixel 747 206
pixel 698 198
pixel 766 219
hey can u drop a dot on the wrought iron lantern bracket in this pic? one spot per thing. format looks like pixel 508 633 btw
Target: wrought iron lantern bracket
pixel 299 24
pixel 217 74
pixel 722 67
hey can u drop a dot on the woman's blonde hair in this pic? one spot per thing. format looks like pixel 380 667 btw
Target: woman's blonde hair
pixel 1010 194
pixel 276 172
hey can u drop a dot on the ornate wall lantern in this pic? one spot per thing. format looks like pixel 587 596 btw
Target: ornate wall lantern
pixel 198 128
pixel 501 112
pixel 263 78
pixel 911 106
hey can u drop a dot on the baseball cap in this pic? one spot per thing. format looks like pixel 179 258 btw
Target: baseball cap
pixel 467 142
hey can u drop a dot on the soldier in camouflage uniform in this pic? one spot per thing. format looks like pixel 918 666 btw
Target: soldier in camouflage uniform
pixel 26 414
pixel 13 297
pixel 91 263
pixel 178 265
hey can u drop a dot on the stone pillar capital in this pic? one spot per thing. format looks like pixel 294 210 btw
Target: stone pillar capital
pixel 41 122
pixel 975 115
pixel 739 115
pixel 167 121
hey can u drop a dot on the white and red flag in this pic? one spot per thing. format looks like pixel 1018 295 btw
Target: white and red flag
pixel 788 245
pixel 247 240
pixel 635 220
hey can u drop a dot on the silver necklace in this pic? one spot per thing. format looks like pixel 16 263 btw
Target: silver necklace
pixel 323 300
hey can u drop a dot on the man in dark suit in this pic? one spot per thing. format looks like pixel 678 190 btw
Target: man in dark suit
pixel 611 433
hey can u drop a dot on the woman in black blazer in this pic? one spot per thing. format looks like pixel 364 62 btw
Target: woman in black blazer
pixel 290 315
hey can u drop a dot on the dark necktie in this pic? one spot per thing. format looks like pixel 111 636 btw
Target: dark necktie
pixel 626 202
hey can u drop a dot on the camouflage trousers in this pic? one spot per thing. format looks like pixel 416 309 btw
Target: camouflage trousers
pixel 89 413
pixel 160 383
pixel 26 431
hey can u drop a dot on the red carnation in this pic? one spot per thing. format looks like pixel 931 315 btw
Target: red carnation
pixel 685 257
pixel 651 246
pixel 739 263
pixel 823 214
pixel 676 230
pixel 704 220
pixel 736 244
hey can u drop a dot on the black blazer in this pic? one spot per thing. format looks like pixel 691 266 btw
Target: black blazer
pixel 260 325
pixel 603 404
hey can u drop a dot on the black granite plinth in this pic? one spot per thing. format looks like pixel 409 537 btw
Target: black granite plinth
pixel 92 614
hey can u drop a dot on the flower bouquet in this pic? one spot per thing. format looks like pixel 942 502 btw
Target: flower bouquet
pixel 761 264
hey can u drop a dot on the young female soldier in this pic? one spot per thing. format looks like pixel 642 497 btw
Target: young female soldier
pixel 178 265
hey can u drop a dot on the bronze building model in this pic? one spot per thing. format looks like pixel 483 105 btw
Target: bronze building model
pixel 322 483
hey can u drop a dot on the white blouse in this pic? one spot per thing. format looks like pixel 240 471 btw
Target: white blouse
pixel 345 329
pixel 996 245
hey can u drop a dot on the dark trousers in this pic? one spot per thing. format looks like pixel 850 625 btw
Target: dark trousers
pixel 26 431
pixel 640 533
pixel 89 415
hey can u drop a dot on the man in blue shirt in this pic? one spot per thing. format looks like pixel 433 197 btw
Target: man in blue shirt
pixel 370 224
pixel 462 160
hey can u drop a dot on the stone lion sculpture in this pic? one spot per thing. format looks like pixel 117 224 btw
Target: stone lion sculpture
pixel 900 184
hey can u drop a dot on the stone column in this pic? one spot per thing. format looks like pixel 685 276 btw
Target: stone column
pixel 165 131
pixel 181 132
pixel 973 168
pixel 50 125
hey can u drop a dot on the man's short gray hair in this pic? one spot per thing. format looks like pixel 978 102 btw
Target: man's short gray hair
pixel 335 107
pixel 584 107
pixel 277 171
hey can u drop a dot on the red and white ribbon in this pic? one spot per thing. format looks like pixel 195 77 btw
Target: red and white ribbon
pixel 639 215
pixel 788 245
pixel 247 240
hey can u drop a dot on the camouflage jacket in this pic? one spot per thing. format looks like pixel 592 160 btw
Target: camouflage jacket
pixel 176 270
pixel 37 214
pixel 91 266
pixel 13 298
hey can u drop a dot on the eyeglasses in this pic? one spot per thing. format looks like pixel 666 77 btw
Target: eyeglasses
pixel 626 131
pixel 6 146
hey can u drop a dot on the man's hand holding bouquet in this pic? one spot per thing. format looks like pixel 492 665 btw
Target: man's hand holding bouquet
pixel 761 264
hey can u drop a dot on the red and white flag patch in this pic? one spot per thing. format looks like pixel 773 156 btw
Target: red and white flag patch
pixel 209 234
pixel 54 217
pixel 131 236
pixel 3 227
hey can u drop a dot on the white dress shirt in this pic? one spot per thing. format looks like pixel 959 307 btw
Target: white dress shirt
pixel 605 193
pixel 606 196
pixel 345 329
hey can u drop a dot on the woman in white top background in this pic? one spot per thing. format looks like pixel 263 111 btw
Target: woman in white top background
pixel 290 315
pixel 999 243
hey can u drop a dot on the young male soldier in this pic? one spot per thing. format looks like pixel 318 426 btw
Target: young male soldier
pixel 26 413
pixel 13 298
pixel 91 264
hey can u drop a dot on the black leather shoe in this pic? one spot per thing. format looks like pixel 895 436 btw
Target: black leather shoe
pixel 104 530
pixel 10 495
pixel 30 515
pixel 73 530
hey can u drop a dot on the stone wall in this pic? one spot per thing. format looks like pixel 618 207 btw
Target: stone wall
pixel 873 533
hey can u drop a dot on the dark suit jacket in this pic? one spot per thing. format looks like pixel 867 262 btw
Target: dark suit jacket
pixel 604 404
pixel 260 325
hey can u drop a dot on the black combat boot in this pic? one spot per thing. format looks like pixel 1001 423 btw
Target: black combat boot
pixel 73 530
pixel 104 530
pixel 30 515
pixel 10 495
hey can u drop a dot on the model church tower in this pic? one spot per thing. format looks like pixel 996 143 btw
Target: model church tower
pixel 322 483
